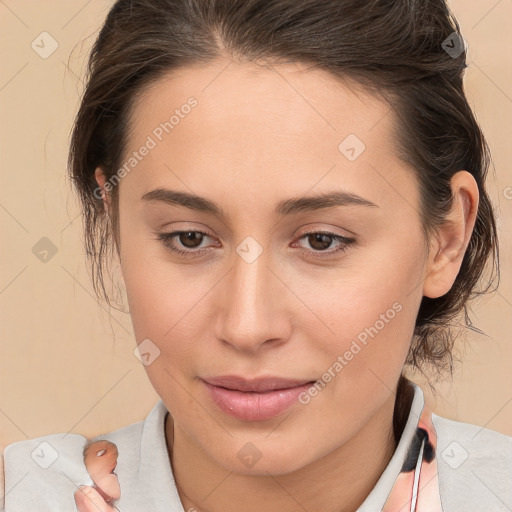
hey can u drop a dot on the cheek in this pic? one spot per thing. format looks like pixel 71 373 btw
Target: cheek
pixel 370 310
pixel 168 304
pixel 167 327
pixel 160 295
pixel 377 286
pixel 170 315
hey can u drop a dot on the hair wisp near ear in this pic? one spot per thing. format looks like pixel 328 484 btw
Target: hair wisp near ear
pixel 101 191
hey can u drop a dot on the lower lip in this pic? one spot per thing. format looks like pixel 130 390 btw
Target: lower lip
pixel 251 406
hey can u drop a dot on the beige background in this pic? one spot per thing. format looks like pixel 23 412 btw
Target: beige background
pixel 67 363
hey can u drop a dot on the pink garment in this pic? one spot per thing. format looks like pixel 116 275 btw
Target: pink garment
pixel 416 488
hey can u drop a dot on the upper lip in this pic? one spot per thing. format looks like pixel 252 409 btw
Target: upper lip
pixel 258 384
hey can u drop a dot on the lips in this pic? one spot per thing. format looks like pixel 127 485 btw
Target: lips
pixel 258 385
pixel 256 399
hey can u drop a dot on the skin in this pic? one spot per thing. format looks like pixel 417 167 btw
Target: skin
pixel 260 135
pixel 100 459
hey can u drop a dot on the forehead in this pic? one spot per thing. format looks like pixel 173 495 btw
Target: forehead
pixel 285 126
pixel 292 100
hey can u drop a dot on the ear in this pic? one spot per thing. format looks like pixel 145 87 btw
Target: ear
pixel 104 188
pixel 448 245
pixel 104 193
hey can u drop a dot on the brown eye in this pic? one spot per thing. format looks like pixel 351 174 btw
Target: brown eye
pixel 190 239
pixel 320 241
pixel 185 243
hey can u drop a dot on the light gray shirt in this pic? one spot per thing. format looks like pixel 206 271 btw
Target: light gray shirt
pixel 42 474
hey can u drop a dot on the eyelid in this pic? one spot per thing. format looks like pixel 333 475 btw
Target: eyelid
pixel 345 243
pixel 320 228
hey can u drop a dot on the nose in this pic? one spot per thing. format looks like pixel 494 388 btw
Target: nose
pixel 252 306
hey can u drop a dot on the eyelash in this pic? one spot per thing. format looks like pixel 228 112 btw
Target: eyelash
pixel 166 238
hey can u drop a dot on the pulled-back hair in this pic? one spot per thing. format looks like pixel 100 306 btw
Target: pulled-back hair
pixel 408 52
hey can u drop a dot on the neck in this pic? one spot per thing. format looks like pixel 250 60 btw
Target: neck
pixel 337 482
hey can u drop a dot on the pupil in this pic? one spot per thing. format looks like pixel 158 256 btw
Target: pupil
pixel 189 236
pixel 313 239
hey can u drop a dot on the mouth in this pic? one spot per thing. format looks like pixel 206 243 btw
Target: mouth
pixel 257 385
pixel 257 399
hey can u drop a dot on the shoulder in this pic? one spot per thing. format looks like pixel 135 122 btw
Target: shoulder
pixel 43 473
pixel 474 466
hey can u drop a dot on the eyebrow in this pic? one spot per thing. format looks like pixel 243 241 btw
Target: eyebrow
pixel 285 207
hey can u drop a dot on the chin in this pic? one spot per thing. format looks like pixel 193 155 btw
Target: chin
pixel 261 457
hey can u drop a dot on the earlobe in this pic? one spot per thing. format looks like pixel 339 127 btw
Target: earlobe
pixel 104 188
pixel 100 178
pixel 449 244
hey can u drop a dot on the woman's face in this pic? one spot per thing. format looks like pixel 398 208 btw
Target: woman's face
pixel 258 294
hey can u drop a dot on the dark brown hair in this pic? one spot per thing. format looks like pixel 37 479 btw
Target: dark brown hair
pixel 404 51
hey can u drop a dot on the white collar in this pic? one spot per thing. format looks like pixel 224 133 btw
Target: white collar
pixel 151 485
